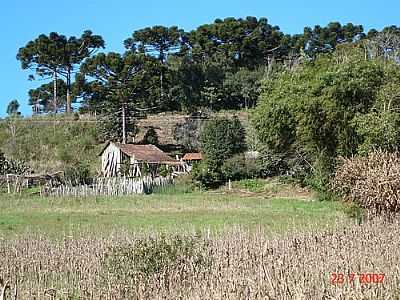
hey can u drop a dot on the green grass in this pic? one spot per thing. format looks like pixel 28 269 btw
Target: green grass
pixel 160 212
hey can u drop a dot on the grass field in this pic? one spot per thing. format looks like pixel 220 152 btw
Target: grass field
pixel 260 240
pixel 160 212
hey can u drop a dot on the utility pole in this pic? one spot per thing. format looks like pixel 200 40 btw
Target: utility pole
pixel 124 122
pixel 55 91
pixel 68 104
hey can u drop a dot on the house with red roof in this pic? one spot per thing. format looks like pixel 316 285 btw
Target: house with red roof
pixel 135 160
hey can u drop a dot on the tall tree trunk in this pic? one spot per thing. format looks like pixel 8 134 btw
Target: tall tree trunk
pixel 123 123
pixel 55 104
pixel 68 104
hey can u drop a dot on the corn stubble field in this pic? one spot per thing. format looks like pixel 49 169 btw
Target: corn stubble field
pixel 239 264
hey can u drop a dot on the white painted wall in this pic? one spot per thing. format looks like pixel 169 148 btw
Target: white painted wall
pixel 111 160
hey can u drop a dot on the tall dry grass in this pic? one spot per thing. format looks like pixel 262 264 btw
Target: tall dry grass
pixel 373 181
pixel 235 265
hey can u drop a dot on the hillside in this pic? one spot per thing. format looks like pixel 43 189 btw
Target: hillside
pixel 50 144
pixel 165 124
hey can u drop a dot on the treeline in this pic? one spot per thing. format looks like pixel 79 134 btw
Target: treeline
pixel 218 65
pixel 344 104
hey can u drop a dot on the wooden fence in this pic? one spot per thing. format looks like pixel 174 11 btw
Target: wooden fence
pixel 15 183
pixel 118 186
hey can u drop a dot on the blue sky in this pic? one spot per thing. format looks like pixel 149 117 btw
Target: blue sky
pixel 23 20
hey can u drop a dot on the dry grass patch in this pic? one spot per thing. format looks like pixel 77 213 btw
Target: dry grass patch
pixel 236 265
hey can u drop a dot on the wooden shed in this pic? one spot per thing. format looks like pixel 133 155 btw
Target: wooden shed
pixel 135 160
pixel 192 157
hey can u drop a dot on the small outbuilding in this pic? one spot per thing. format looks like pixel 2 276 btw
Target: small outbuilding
pixel 135 160
pixel 192 157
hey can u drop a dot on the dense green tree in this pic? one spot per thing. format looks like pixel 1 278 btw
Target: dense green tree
pixel 243 42
pixel 151 137
pixel 187 81
pixel 56 55
pixel 378 131
pixel 328 108
pixel 156 40
pixel 217 65
pixel 42 99
pixel 222 138
pixel 242 89
pixel 325 39
pixel 122 82
pixel 12 108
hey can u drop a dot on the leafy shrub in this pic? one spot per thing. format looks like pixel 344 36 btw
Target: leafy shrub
pixel 319 179
pixel 372 182
pixel 271 164
pixel 221 138
pixel 238 167
pixel 293 164
pixel 151 137
pixel 164 171
pixel 205 176
pixel 252 185
pixel 149 256
pixel 378 131
pixel 77 174
pixel 188 133
pixel 10 166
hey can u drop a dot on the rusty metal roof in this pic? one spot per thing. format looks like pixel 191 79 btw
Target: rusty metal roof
pixel 192 156
pixel 147 153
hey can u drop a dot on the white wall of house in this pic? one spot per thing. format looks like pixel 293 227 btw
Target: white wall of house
pixel 111 161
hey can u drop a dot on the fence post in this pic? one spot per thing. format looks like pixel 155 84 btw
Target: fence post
pixel 8 184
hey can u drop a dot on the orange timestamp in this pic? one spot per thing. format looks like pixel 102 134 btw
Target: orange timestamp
pixel 367 278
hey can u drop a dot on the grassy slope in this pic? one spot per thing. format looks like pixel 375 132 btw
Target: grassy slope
pixel 160 212
pixel 48 145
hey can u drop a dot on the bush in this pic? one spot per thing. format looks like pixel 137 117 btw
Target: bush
pixel 319 178
pixel 372 182
pixel 252 185
pixel 272 164
pixel 164 171
pixel 9 166
pixel 205 176
pixel 188 133
pixel 221 138
pixel 294 164
pixel 328 109
pixel 77 174
pixel 151 137
pixel 182 185
pixel 238 167
pixel 149 256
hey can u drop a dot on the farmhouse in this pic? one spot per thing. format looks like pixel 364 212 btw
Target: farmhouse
pixel 135 160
